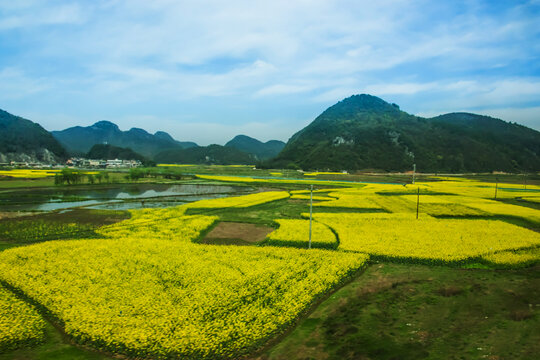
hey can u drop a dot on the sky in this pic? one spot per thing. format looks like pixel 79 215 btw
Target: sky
pixel 206 71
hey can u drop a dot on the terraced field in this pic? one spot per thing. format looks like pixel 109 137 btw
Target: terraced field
pixel 150 286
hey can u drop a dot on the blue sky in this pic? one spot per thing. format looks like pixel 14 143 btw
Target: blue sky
pixel 208 70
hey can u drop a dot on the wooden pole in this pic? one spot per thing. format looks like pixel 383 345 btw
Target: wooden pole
pixel 496 186
pixel 310 213
pixel 417 202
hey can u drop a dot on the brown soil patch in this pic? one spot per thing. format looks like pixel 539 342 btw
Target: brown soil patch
pixel 250 233
pixel 12 214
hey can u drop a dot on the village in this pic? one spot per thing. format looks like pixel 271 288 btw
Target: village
pixel 76 162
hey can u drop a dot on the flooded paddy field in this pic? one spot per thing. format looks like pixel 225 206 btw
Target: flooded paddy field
pixel 113 197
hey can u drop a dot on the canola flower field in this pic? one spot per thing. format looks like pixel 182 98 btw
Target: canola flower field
pixel 444 240
pixel 20 324
pixel 28 173
pixel 146 287
pixel 293 232
pixel 240 201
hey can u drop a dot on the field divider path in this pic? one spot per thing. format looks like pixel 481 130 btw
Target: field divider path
pixel 304 315
pixel 52 320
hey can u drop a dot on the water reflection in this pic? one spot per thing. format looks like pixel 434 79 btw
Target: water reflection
pixel 120 197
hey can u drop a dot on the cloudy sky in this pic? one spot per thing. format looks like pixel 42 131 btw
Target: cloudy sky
pixel 208 70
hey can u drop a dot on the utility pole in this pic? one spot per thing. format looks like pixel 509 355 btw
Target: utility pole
pixel 496 186
pixel 413 172
pixel 310 213
pixel 417 202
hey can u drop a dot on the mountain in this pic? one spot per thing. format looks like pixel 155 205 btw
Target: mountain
pixel 262 151
pixel 366 132
pixel 211 154
pixel 80 139
pixel 24 140
pixel 107 151
pixel 165 136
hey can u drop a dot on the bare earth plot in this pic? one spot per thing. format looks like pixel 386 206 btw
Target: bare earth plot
pixel 225 232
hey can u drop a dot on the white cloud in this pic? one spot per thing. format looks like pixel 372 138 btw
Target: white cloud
pixel 124 53
pixel 400 89
pixel 32 17
pixel 282 89
pixel 16 84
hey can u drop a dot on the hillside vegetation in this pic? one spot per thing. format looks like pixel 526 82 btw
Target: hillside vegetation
pixel 211 154
pixel 106 151
pixel 80 139
pixel 24 140
pixel 365 132
pixel 262 151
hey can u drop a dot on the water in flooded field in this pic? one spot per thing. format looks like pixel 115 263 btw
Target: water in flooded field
pixel 119 197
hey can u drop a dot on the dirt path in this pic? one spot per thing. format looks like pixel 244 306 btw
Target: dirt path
pixel 249 233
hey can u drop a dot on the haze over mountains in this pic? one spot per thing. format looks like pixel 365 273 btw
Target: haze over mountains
pixel 359 132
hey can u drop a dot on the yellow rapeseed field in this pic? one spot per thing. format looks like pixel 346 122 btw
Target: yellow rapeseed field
pixel 350 201
pixel 307 197
pixel 512 258
pixel 28 173
pixel 148 290
pixel 446 240
pixel 20 324
pixel 240 201
pixel 292 232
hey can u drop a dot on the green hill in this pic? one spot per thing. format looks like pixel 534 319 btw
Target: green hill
pixel 211 154
pixel 365 132
pixel 262 151
pixel 80 139
pixel 106 151
pixel 24 140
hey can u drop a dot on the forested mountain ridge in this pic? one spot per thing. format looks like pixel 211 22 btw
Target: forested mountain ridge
pixel 24 140
pixel 211 155
pixel 366 132
pixel 253 146
pixel 80 139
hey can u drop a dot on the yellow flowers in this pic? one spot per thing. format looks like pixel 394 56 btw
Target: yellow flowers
pixel 148 291
pixel 20 324
pixel 296 233
pixel 427 238
pixel 248 179
pixel 28 173
pixel 511 258
pixel 323 173
pixel 240 201
pixel 307 197
pixel 350 201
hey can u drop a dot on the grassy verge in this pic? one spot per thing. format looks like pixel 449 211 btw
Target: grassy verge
pixel 55 347
pixel 396 311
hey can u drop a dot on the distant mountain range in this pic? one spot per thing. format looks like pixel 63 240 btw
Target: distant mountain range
pixel 262 151
pixel 162 147
pixel 366 132
pixel 80 139
pixel 211 155
pixel 107 151
pixel 359 132
pixel 25 141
